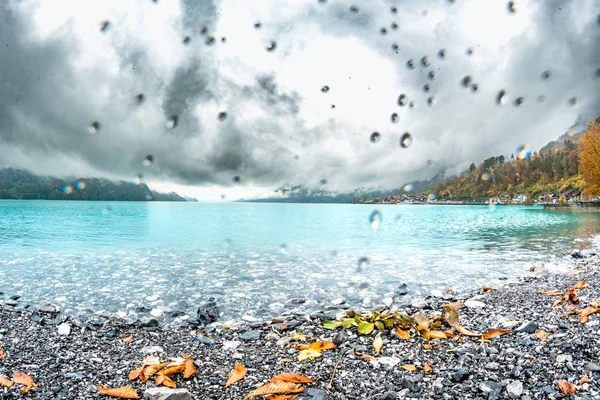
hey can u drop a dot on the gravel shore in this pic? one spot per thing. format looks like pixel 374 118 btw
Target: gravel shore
pixel 66 358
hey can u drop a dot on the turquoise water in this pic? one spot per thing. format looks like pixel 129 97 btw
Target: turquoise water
pixel 253 257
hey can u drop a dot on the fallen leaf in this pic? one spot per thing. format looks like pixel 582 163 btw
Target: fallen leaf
pixel 456 305
pixel 190 368
pixel 580 285
pixel 300 337
pixel 553 292
pixel 437 335
pixel 23 379
pixel 427 346
pixel 172 370
pixel 283 326
pixel 151 360
pixel 487 289
pixel 422 320
pixel 308 355
pixel 281 397
pixel 365 328
pixel 586 312
pixel 450 334
pixel 584 379
pixel 377 344
pixel 541 334
pixel 25 389
pixel 427 368
pixel 4 381
pixel 120 393
pixel 236 375
pixel 323 345
pixel 495 332
pixel 365 356
pixel 409 367
pixel 401 333
pixel 151 370
pixel 2 354
pixel 291 378
pixel 451 316
pixel 566 387
pixel 529 356
pixel 165 381
pixel 142 376
pixel 276 388
pixel 134 374
pixel 177 361
pixel 287 360
pixel 128 339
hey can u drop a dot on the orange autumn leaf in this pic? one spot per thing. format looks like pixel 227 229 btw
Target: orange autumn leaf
pixel 487 289
pixel 134 374
pixel 190 368
pixel 286 360
pixel 584 379
pixel 566 387
pixel 580 285
pixel 165 381
pixel 318 346
pixel 2 354
pixel 281 397
pixel 427 367
pixel 451 316
pixel 142 376
pixel 427 346
pixel 495 332
pixel 365 356
pixel 437 335
pixel 23 379
pixel 541 334
pixel 236 375
pixel 4 381
pixel 172 370
pixel 120 393
pixel 586 312
pixel 450 334
pixel 151 370
pixel 401 333
pixel 25 389
pixel 456 305
pixel 128 339
pixel 409 367
pixel 276 388
pixel 377 343
pixel 553 292
pixel 291 378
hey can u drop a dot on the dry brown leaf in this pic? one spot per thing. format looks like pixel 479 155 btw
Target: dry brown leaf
pixel 151 370
pixel 580 285
pixel 291 378
pixel 299 337
pixel 120 393
pixel 281 397
pixel 151 360
pixel 286 360
pixel 4 381
pixel 2 354
pixel 427 367
pixel 165 381
pixel 377 343
pixel 23 379
pixel 584 379
pixel 308 355
pixel 451 316
pixel 236 375
pixel 566 387
pixel 422 320
pixel 409 367
pixel 401 333
pixel 25 389
pixel 495 332
pixel 134 374
pixel 456 305
pixel 529 356
pixel 542 335
pixel 450 334
pixel 437 335
pixel 190 368
pixel 276 388
pixel 427 346
pixel 553 292
pixel 128 339
pixel 487 289
pixel 586 312
pixel 172 370
pixel 323 345
pixel 365 356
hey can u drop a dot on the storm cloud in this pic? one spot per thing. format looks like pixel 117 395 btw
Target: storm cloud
pixel 242 110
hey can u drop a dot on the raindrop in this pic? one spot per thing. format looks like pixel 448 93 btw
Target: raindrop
pixel 140 98
pixel 541 99
pixel 500 97
pixel 203 30
pixel 79 185
pixel 411 104
pixel 431 75
pixel 512 7
pixel 402 100
pixel 94 127
pixel 375 137
pixel 475 87
pixel 353 8
pixel 383 31
pixel 519 100
pixel 222 116
pixel 236 179
pixel 408 187
pixel 148 160
pixel 138 178
pixel 545 75
pixel 104 25
pixel 406 140
pixel 257 25
pixel 523 152
pixel 598 73
pixel 323 182
pixel 573 101
pixel 67 189
pixel 223 39
pixel 410 64
pixel 469 51
pixel 466 81
pixel 363 264
pixel 426 88
pixel 430 163
pixel 106 210
pixel 172 121
pixel 272 46
pixel 223 197
pixel 375 219
pixel 186 39
pixel 394 9
pixel 425 61
pixel 395 47
pixel 296 156
pixel 394 118
pixel 394 25
pixel 442 53
pixel 431 100
pixel 209 40
pixel 333 106
pixel 325 89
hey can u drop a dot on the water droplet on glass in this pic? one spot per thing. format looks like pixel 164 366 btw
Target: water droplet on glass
pixel 323 182
pixel 394 25
pixel 186 39
pixel 512 7
pixel 541 99
pixel 333 106
pixel 394 117
pixel 475 87
pixel 363 265
pixel 523 152
pixel 383 31
pixel 353 8
pixel 104 25
pixel 425 61
pixel 519 100
pixel 140 98
pixel 222 116
pixel 442 53
pixel 79 185
pixel 325 89
pixel 394 9
pixel 375 137
pixel 223 197
pixel 395 47
pixel 106 210
pixel 431 100
pixel 573 101
pixel 431 75
pixel 172 121
pixel 408 187
pixel 426 88
pixel 598 73
pixel 66 189
pixel 296 156
pixel 148 160
pixel 375 219
pixel 469 51
pixel 137 178
pixel 500 97
pixel 223 39
pixel 411 104
pixel 429 163
pixel 94 127
pixel 210 40
pixel 402 100
pixel 257 25
pixel 236 179
pixel 203 30
pixel 545 75
pixel 410 64
pixel 405 140
pixel 466 81
pixel 431 197
pixel 271 46
pixel 486 177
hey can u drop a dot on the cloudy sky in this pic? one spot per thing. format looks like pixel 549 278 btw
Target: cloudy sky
pixel 60 72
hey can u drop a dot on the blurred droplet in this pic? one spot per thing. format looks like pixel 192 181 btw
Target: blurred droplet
pixel 94 127
pixel 186 39
pixel 410 64
pixel 394 25
pixel 375 137
pixel 466 81
pixel 425 61
pixel 172 121
pixel 394 9
pixel 411 104
pixel 512 7
pixel 140 98
pixel 106 210
pixel 271 46
pixel 431 197
pixel 406 140
pixel 148 160
pixel 257 25
pixel 395 47
pixel 323 182
pixel 429 163
pixel 394 117
pixel 210 40
pixel 475 87
pixel 236 179
pixel 203 30
pixel 402 100
pixel 137 178
pixel 500 97
pixel 375 219
pixel 431 75
pixel 325 89
pixel 519 100
pixel 383 31
pixel 296 156
pixel 222 116
pixel 541 99
pixel 431 100
pixel 598 73
pixel 333 106
pixel 283 248
pixel 426 88
pixel 545 75
pixel 353 8
pixel 573 101
pixel 408 187
pixel 79 185
pixel 486 177
pixel 104 25
pixel 469 51
pixel 523 152
pixel 223 39
pixel 442 53
pixel 66 189
pixel 223 197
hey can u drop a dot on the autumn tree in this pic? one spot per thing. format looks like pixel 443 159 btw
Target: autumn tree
pixel 589 159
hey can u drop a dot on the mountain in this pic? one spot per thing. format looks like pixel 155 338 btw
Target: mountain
pixel 20 184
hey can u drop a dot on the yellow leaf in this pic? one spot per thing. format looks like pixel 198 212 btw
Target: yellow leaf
pixel 236 375
pixel 300 337
pixel 437 335
pixel 377 343
pixel 277 388
pixel 318 346
pixel 401 333
pixel 4 381
pixel 151 360
pixel 586 312
pixel 308 355
pixel 120 393
pixel 566 387
pixel 427 346
pixel 190 368
pixel 541 334
pixel 580 285
pixel 23 379
pixel 409 367
pixel 495 332
pixel 128 339
pixel 281 397
pixel 172 370
pixel 291 378
pixel 427 367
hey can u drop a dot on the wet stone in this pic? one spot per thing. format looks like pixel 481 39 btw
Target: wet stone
pixel 250 335
pixel 167 394
pixel 527 326
pixel 460 375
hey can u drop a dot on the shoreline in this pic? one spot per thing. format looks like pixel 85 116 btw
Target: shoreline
pixel 66 366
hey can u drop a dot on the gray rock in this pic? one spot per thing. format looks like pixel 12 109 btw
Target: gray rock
pixel 563 358
pixel 11 303
pixel 389 396
pixel 209 312
pixel 47 308
pixel 514 389
pixel 338 302
pixel 387 301
pixel 419 303
pixel 152 350
pixel 317 394
pixel 491 389
pixel 474 304
pixel 167 394
pixel 339 338
pixel 231 344
pixel 64 329
pixel 250 335
pixel 402 289
pixel 527 326
pixel 493 366
pixel 460 375
pixel 592 367
pixel 576 254
pixel 391 361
